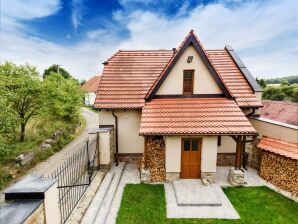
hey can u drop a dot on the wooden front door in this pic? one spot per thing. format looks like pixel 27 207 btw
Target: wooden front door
pixel 191 158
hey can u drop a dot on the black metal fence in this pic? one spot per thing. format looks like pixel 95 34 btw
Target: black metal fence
pixel 75 175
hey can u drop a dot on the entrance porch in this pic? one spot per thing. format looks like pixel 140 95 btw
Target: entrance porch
pixel 173 158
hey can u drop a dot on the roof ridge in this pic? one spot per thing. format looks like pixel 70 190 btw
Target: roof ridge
pixel 121 50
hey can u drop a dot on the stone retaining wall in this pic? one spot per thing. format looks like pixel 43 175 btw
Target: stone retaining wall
pixel 226 159
pixel 280 171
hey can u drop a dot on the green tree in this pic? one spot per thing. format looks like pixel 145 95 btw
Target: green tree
pixel 63 97
pixel 56 69
pixel 262 83
pixel 21 93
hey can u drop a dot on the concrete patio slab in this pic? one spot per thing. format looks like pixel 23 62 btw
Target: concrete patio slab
pixel 225 211
pixel 193 193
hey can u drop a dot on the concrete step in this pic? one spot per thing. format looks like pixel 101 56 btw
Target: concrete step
pixel 110 194
pixel 96 203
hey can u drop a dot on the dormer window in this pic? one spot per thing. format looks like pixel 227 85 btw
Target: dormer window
pixel 188 76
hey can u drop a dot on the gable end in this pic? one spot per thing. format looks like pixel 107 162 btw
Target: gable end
pixel 191 40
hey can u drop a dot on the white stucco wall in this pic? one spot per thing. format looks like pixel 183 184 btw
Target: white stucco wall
pixel 274 130
pixel 104 148
pixel 90 98
pixel 228 145
pixel 173 153
pixel 208 153
pixel 204 83
pixel 129 140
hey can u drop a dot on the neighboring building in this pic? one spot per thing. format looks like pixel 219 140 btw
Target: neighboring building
pixel 196 100
pixel 281 111
pixel 278 120
pixel 90 87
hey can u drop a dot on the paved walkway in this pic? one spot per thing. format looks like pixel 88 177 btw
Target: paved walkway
pixel 54 161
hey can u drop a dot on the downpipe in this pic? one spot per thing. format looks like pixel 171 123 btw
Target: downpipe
pixel 116 137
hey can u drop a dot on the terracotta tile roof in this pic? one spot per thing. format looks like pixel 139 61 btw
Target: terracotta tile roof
pixel 92 84
pixel 283 148
pixel 286 112
pixel 128 76
pixel 233 78
pixel 193 116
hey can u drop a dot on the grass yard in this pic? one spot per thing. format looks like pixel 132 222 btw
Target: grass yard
pixel 144 203
pixel 38 130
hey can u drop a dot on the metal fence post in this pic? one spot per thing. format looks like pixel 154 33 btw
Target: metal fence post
pixel 88 163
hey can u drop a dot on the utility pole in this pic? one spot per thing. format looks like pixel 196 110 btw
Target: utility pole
pixel 58 68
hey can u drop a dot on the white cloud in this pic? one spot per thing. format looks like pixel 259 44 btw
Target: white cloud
pixel 76 15
pixel 246 27
pixel 29 9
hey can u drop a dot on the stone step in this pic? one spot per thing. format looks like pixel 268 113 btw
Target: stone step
pixel 96 203
pixel 110 194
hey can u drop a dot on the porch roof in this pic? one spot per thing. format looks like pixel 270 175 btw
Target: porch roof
pixel 194 116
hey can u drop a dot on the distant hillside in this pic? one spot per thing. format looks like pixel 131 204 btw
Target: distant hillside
pixel 290 79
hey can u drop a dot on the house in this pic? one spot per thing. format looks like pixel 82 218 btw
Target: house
pixel 90 87
pixel 195 100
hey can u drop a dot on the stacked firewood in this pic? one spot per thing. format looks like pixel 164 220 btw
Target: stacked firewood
pixel 280 171
pixel 155 154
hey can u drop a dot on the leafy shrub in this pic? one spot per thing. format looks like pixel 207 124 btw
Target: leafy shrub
pixel 6 149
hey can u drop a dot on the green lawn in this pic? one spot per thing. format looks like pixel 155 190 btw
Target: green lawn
pixel 143 203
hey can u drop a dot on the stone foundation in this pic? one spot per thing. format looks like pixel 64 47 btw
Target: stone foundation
pixel 226 159
pixel 145 176
pixel 208 178
pixel 170 177
pixel 132 158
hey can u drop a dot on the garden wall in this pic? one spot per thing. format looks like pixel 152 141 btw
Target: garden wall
pixel 280 171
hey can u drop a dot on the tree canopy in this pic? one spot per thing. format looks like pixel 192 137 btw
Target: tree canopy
pixel 23 95
pixel 63 96
pixel 56 69
pixel 21 91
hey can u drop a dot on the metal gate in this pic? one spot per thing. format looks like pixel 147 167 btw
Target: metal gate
pixel 75 175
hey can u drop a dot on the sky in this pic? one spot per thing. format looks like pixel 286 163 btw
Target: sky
pixel 81 34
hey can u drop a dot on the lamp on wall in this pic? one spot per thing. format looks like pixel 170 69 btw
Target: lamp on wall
pixel 189 59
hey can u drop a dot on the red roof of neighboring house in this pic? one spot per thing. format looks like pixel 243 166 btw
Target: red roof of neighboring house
pixel 233 78
pixel 193 116
pixel 128 76
pixel 286 112
pixel 280 147
pixel 92 84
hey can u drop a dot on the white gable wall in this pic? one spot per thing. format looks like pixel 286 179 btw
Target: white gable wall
pixel 204 83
